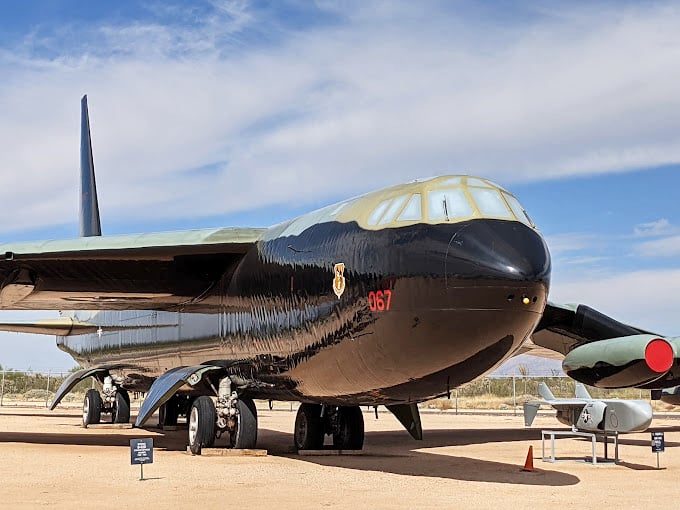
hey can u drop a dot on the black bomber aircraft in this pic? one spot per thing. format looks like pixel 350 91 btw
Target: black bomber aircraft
pixel 390 298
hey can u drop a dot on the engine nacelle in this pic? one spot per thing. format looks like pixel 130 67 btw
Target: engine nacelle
pixel 622 362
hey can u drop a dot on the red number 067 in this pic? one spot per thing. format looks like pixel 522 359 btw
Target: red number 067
pixel 380 300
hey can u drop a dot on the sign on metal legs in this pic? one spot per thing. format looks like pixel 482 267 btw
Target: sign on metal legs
pixel 141 452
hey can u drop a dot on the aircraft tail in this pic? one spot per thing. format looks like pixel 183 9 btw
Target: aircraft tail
pixel 545 392
pixel 89 206
pixel 582 392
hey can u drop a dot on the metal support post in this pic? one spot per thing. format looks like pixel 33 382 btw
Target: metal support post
pixel 47 389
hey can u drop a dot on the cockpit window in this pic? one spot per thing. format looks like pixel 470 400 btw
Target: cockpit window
pixel 413 210
pixel 377 213
pixel 517 208
pixel 453 181
pixel 393 209
pixel 473 181
pixel 448 204
pixel 490 203
pixel 339 208
pixel 449 198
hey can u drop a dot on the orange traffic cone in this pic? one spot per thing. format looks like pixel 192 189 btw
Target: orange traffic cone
pixel 529 464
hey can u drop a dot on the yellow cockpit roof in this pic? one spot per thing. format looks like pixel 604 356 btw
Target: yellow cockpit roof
pixel 445 199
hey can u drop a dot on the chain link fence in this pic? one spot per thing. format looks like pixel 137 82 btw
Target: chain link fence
pixel 501 393
pixel 18 386
pixel 510 392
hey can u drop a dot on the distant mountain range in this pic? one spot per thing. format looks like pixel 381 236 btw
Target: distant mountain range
pixel 534 366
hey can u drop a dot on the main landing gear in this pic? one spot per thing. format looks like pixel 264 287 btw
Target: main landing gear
pixel 314 421
pixel 235 415
pixel 112 400
pixel 232 414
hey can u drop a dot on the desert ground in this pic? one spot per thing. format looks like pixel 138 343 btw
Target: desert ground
pixel 465 461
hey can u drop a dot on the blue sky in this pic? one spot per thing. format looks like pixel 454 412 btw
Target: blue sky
pixel 247 113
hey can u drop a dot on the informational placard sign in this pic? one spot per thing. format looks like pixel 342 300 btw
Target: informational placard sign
pixel 658 445
pixel 141 452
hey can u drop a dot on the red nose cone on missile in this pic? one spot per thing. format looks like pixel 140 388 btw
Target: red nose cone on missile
pixel 659 355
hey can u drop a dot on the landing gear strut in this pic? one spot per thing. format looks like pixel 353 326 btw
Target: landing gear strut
pixel 314 421
pixel 112 399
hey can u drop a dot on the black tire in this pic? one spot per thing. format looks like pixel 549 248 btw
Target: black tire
pixel 350 432
pixel 309 431
pixel 202 424
pixel 121 407
pixel 92 408
pixel 245 435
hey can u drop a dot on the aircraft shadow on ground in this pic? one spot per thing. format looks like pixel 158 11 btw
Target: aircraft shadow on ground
pixel 395 452
pixel 386 451
pixel 391 452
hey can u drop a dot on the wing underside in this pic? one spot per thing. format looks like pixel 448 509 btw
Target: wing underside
pixel 562 327
pixel 164 271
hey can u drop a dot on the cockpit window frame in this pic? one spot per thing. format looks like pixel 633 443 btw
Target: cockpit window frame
pixel 363 209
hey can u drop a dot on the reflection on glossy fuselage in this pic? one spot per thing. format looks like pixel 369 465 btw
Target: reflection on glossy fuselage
pixel 425 308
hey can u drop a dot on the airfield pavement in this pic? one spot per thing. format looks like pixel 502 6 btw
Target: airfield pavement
pixel 465 461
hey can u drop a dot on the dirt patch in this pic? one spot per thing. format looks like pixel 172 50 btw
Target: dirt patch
pixel 464 461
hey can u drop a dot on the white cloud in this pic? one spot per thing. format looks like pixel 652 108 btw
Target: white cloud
pixel 562 244
pixel 666 247
pixel 646 299
pixel 390 92
pixel 655 228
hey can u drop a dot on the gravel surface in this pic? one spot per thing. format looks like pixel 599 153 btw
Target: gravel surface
pixel 464 462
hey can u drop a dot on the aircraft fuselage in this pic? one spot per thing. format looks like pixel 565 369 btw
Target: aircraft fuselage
pixel 416 311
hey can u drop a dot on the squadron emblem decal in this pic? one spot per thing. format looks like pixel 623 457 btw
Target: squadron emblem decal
pixel 339 280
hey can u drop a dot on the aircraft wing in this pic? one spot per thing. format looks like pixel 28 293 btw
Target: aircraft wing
pixel 563 326
pixel 61 326
pixel 568 407
pixel 562 403
pixel 161 271
pixel 563 406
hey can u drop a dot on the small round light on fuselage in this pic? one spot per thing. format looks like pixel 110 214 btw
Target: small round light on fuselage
pixel 526 300
pixel 659 355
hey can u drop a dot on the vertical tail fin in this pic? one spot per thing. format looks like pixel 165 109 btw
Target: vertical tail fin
pixel 530 412
pixel 545 392
pixel 89 207
pixel 582 392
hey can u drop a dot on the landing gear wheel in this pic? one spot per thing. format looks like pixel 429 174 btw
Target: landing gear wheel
pixel 92 408
pixel 309 430
pixel 350 429
pixel 245 434
pixel 121 407
pixel 202 424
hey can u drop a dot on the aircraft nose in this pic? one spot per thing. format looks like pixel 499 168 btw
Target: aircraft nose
pixel 498 250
